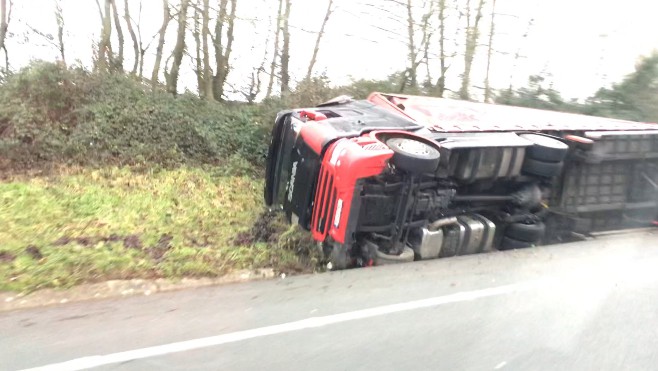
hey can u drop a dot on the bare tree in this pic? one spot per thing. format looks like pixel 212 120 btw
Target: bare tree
pixel 285 50
pixel 133 37
pixel 207 71
pixel 488 94
pixel 327 14
pixel 104 46
pixel 166 17
pixel 143 48
pixel 276 54
pixel 117 63
pixel 472 36
pixel 225 18
pixel 196 34
pixel 58 42
pixel 5 18
pixel 255 82
pixel 411 72
pixel 518 55
pixel 59 19
pixel 441 82
pixel 425 43
pixel 417 52
pixel 179 48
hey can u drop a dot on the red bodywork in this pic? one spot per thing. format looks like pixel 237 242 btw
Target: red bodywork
pixel 317 135
pixel 344 163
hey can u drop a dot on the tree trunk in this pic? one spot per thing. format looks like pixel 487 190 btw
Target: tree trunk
pixel 166 16
pixel 441 82
pixel 270 84
pixel 254 86
pixel 488 95
pixel 472 35
pixel 425 43
pixel 5 18
pixel 196 33
pixel 207 72
pixel 104 53
pixel 285 51
pixel 218 43
pixel 223 53
pixel 118 62
pixel 131 31
pixel 317 41
pixel 411 74
pixel 3 23
pixel 59 18
pixel 142 48
pixel 179 49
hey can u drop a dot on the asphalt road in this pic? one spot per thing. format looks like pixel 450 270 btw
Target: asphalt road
pixel 586 306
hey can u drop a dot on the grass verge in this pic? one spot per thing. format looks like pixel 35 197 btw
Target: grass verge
pixel 84 225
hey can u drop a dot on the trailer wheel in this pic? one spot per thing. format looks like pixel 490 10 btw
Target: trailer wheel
pixel 407 255
pixel 526 232
pixel 413 155
pixel 545 148
pixel 541 168
pixel 512 244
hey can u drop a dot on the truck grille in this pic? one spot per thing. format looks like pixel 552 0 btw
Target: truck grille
pixel 325 203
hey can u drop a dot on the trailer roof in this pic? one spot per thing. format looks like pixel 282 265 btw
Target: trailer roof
pixel 448 115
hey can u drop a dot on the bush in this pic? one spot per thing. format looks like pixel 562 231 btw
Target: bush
pixel 49 113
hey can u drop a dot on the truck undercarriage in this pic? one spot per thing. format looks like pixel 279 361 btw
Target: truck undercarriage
pixel 402 178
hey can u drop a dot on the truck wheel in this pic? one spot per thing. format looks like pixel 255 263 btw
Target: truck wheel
pixel 414 156
pixel 511 244
pixel 545 148
pixel 526 232
pixel 541 168
pixel 406 256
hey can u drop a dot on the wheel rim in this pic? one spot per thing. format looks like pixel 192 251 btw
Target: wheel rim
pixel 415 147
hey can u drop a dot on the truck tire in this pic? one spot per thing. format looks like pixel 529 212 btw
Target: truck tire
pixel 541 168
pixel 414 156
pixel 546 148
pixel 512 244
pixel 406 256
pixel 526 232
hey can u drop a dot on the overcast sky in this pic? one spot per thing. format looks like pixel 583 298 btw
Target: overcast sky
pixel 581 45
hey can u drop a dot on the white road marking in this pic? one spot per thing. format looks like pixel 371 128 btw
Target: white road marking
pixel 313 322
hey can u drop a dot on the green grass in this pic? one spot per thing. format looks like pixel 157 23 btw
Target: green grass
pixel 112 223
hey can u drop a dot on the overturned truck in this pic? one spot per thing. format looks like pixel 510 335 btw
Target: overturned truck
pixel 398 178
